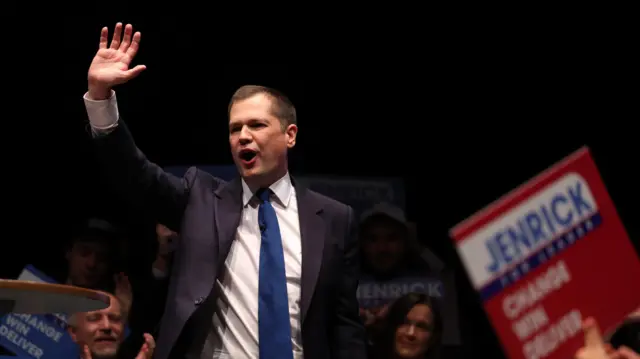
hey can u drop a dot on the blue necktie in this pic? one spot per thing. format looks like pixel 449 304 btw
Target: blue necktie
pixel 273 303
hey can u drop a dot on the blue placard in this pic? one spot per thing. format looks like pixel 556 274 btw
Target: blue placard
pixel 37 336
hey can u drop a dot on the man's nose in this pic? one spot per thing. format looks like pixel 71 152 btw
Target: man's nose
pixel 105 325
pixel 245 136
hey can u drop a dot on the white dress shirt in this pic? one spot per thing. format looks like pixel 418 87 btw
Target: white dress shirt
pixel 235 321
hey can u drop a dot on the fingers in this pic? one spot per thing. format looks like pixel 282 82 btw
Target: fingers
pixel 609 349
pixel 626 353
pixel 134 45
pixel 146 351
pixel 126 40
pixel 115 42
pixel 148 339
pixel 592 336
pixel 104 37
pixel 129 43
pixel 123 280
pixel 134 72
pixel 86 354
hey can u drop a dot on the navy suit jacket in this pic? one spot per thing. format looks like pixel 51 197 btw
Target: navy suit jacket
pixel 206 212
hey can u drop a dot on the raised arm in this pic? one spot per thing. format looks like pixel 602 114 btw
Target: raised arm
pixel 126 168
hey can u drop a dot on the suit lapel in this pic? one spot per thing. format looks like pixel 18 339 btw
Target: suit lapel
pixel 312 228
pixel 227 215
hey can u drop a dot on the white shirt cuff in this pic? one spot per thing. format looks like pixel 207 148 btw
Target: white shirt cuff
pixel 103 114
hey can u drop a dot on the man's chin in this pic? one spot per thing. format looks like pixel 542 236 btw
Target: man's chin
pixel 105 354
pixel 249 173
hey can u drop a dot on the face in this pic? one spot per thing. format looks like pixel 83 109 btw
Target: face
pixel 88 263
pixel 258 142
pixel 412 337
pixel 102 331
pixel 384 245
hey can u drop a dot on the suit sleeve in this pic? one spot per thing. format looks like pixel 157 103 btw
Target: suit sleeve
pixel 349 334
pixel 128 172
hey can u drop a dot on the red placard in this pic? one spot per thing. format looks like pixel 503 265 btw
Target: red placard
pixel 546 256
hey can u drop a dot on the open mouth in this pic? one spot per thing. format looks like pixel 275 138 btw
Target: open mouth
pixel 248 156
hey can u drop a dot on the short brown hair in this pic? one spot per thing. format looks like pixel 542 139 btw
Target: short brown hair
pixel 281 107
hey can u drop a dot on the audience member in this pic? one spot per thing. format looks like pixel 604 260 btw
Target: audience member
pixel 91 256
pixel 388 253
pixel 100 334
pixel 412 329
pixel 388 248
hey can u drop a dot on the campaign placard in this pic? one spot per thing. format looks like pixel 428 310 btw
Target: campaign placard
pixel 43 336
pixel 546 256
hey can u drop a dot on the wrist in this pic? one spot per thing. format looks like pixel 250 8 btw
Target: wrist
pixel 98 92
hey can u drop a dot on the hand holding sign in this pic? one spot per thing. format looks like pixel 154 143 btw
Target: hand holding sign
pixel 531 253
pixel 596 348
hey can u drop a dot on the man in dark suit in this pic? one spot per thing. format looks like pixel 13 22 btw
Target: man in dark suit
pixel 265 268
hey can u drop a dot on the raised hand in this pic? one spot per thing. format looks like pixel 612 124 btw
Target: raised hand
pixel 123 292
pixel 146 351
pixel 110 66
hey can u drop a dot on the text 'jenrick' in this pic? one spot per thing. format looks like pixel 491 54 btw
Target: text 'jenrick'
pixel 544 220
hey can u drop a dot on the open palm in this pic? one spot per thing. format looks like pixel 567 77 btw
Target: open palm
pixel 110 66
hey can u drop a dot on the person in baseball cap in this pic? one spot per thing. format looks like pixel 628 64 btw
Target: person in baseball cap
pixel 389 246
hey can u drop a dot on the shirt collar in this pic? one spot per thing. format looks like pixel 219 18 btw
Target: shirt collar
pixel 281 189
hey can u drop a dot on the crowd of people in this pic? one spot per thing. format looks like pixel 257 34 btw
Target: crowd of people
pixel 402 325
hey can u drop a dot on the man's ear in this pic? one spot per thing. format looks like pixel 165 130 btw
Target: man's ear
pixel 291 132
pixel 72 322
pixel 72 332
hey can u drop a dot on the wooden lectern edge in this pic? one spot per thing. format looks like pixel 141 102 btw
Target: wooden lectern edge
pixel 57 288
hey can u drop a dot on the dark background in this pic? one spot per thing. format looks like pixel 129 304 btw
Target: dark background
pixel 462 124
